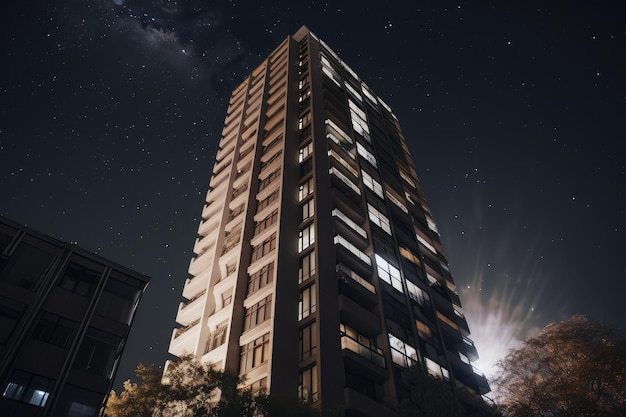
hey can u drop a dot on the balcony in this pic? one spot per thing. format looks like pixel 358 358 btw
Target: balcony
pixel 355 286
pixel 196 284
pixel 358 317
pixel 191 310
pixel 358 404
pixel 363 359
pixel 185 339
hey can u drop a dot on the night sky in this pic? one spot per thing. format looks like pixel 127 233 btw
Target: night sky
pixel 515 114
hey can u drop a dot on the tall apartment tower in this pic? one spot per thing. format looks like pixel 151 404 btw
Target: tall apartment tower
pixel 318 269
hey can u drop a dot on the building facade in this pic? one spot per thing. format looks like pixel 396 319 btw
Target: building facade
pixel 318 269
pixel 65 314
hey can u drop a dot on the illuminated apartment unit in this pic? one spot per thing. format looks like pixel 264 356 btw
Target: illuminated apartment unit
pixel 318 269
pixel 65 315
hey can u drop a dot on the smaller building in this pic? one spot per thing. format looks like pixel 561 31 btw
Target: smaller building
pixel 65 315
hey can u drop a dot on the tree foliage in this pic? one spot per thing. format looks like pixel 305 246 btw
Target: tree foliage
pixel 191 388
pixel 573 368
pixel 434 397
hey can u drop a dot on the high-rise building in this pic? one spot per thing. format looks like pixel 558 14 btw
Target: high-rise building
pixel 65 315
pixel 318 269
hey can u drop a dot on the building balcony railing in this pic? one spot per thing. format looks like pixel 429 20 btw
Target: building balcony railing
pixel 362 350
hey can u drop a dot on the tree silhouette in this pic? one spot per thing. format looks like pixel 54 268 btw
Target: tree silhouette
pixel 573 368
pixel 190 388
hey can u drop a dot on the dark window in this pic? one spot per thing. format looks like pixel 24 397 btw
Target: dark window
pixel 266 222
pixel 255 353
pixel 10 314
pixel 53 329
pixel 119 299
pixel 268 180
pixel 264 248
pixel 28 264
pixel 260 278
pixel 98 352
pixel 267 201
pixel 28 388
pixel 362 384
pixel 78 402
pixel 80 279
pixel 258 313
pixel 308 341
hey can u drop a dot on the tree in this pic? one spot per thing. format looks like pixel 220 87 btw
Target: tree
pixel 434 397
pixel 193 389
pixel 573 368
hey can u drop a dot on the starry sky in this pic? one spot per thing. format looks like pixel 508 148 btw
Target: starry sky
pixel 111 110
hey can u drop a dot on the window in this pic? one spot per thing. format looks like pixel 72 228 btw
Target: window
pixel 423 330
pixel 10 314
pixel 307 386
pixel 119 299
pixel 264 248
pixel 337 135
pixel 305 189
pixel 378 218
pixel 409 255
pixel 402 354
pixel 372 184
pixel 263 184
pixel 259 385
pixel 28 388
pixel 258 313
pixel 266 222
pixel 307 267
pixel 436 370
pixel 80 279
pixel 308 341
pixel 307 303
pixel 307 209
pixel 395 200
pixel 255 353
pixel 417 294
pixel 28 264
pixel 304 120
pixel 360 344
pixel 98 352
pixel 260 278
pixel 405 176
pixel 53 329
pixel 388 273
pixel 305 151
pixel 367 155
pixel 306 237
pixel 78 402
pixel 217 338
pixel 267 201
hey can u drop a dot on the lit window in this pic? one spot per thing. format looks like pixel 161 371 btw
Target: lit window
pixel 372 184
pixel 431 224
pixel 378 218
pixel 359 120
pixel 464 358
pixel 388 273
pixel 307 267
pixel 367 94
pixel 305 189
pixel 28 388
pixel 306 237
pixel 409 255
pixel 369 157
pixel 304 120
pixel 307 303
pixel 436 370
pixel 417 294
pixel 354 92
pixel 402 354
pixel 307 385
pixel 305 151
pixel 307 209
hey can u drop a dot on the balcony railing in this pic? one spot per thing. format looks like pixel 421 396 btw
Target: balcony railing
pixel 342 269
pixel 183 330
pixel 362 350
